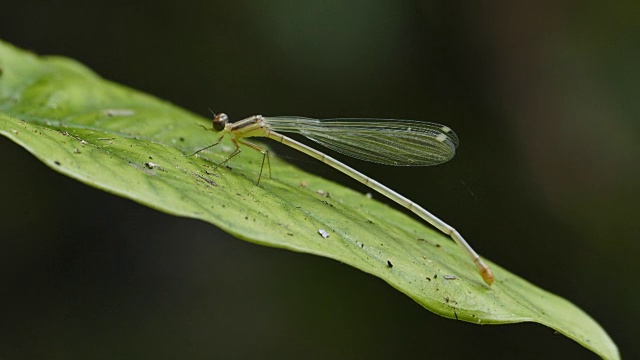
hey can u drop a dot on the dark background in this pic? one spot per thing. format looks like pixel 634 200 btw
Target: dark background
pixel 545 99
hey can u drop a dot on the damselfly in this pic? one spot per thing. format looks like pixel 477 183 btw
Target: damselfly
pixel 384 141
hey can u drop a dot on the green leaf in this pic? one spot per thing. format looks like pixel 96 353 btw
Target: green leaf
pixel 134 145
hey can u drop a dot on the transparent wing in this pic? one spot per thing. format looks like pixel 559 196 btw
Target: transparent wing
pixel 384 141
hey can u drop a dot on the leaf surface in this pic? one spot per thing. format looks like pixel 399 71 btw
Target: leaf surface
pixel 133 145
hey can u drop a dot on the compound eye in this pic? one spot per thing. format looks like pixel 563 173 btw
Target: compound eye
pixel 220 121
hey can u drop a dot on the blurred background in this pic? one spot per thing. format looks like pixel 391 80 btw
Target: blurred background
pixel 544 97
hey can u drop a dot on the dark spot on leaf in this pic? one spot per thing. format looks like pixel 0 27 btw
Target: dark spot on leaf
pixel 435 276
pixel 389 264
pixel 57 162
pixel 208 181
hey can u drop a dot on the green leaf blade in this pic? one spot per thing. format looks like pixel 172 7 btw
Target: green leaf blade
pixel 135 146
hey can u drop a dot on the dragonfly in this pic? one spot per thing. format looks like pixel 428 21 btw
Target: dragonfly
pixel 384 141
